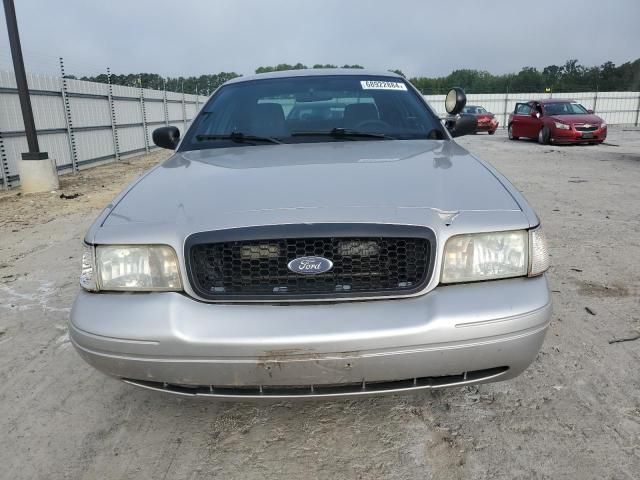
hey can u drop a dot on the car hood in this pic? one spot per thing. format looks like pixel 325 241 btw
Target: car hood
pixel 350 181
pixel 573 119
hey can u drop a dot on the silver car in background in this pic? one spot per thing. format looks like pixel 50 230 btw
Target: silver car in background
pixel 316 233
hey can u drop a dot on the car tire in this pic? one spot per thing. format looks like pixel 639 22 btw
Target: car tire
pixel 510 133
pixel 543 136
pixel 491 132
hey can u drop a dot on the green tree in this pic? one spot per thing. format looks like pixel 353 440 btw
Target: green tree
pixel 569 77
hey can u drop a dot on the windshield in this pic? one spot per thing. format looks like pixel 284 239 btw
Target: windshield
pixel 312 109
pixel 473 110
pixel 565 108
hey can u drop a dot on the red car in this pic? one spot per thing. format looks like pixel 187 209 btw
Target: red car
pixel 486 120
pixel 555 120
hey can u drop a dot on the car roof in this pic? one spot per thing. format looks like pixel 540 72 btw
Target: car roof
pixel 315 72
pixel 555 100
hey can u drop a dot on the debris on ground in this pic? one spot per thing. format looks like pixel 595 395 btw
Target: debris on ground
pixel 70 197
pixel 625 339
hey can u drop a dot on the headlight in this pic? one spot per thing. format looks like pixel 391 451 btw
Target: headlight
pixel 485 256
pixel 603 125
pixel 492 256
pixel 133 268
pixel 563 126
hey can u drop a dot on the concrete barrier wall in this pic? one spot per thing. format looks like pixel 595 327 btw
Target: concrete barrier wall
pixel 84 123
pixel 616 108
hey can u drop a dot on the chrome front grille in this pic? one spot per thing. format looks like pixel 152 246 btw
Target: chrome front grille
pixel 585 128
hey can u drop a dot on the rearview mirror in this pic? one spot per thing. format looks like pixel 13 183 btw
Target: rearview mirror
pixel 455 101
pixel 166 137
pixel 313 97
pixel 463 125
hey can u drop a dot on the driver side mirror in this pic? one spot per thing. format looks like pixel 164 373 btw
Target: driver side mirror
pixel 454 102
pixel 590 111
pixel 166 137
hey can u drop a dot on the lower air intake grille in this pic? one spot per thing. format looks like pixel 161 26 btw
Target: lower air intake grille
pixel 363 265
pixel 302 391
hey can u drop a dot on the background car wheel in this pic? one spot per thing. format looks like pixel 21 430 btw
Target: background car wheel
pixel 510 132
pixel 543 136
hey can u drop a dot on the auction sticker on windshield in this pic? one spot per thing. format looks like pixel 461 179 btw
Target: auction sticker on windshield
pixel 380 85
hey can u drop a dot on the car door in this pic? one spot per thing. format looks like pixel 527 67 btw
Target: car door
pixel 531 123
pixel 535 120
pixel 520 118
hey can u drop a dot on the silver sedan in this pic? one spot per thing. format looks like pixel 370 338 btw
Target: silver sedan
pixel 314 234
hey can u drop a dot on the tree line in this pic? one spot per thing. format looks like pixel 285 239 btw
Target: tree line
pixel 569 77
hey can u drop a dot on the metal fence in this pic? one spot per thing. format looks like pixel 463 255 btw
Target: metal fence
pixel 616 108
pixel 84 123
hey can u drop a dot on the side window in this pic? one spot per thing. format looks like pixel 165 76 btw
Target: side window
pixel 523 109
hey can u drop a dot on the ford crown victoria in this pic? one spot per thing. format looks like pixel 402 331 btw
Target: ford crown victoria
pixel 315 233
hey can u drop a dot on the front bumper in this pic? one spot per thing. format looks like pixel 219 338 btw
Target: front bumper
pixel 461 334
pixel 575 136
pixel 487 126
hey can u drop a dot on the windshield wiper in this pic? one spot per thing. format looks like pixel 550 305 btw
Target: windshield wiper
pixel 238 137
pixel 344 133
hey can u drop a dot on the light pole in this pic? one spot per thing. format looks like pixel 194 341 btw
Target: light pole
pixel 37 171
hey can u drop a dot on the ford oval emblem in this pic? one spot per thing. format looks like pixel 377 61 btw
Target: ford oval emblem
pixel 310 265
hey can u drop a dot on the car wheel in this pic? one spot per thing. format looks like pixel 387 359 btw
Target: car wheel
pixel 491 132
pixel 543 136
pixel 510 132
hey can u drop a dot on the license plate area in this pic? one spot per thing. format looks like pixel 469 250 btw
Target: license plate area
pixel 587 135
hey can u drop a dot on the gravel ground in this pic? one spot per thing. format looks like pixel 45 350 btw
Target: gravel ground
pixel 575 413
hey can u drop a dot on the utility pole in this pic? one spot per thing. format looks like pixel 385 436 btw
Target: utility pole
pixel 37 172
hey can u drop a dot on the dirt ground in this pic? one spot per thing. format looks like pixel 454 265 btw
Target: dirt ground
pixel 575 413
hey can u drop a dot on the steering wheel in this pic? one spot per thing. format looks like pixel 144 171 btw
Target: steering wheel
pixel 373 123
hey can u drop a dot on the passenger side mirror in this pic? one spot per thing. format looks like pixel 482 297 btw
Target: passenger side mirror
pixel 590 111
pixel 455 101
pixel 463 125
pixel 166 137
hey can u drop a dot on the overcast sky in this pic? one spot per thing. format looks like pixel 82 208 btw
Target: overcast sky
pixel 192 37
